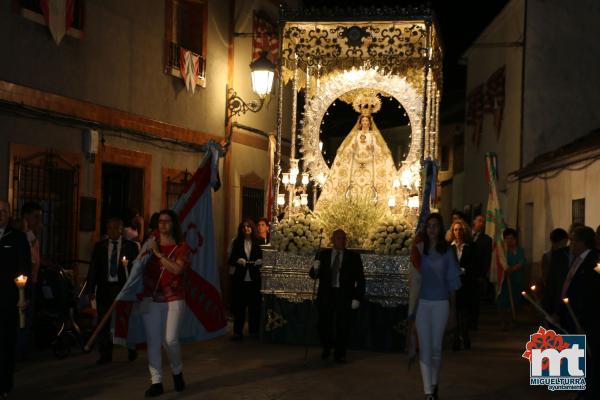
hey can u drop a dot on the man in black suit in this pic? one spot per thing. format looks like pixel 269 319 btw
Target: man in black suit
pixel 112 259
pixel 582 288
pixel 15 258
pixel 341 288
pixel 482 258
pixel 556 266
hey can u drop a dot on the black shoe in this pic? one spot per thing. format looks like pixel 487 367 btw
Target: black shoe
pixel 131 354
pixel 435 391
pixel 325 354
pixel 156 389
pixel 237 338
pixel 103 360
pixel 178 382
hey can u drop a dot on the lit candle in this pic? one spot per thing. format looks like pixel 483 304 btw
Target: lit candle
pixel 281 199
pixel 542 311
pixel 125 261
pixel 21 281
pixel 533 287
pixel 570 309
pixel 597 267
pixel 391 202
pixel 305 178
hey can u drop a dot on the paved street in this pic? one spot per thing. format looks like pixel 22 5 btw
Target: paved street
pixel 221 369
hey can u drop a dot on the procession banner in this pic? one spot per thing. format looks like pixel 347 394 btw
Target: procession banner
pixel 495 226
pixel 204 317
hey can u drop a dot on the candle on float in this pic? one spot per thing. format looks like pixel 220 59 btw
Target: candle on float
pixel 572 314
pixel 21 281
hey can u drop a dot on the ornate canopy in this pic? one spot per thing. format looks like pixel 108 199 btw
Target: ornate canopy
pixel 328 52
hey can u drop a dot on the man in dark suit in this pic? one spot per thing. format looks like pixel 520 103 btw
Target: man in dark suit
pixel 15 258
pixel 482 258
pixel 556 266
pixel 341 288
pixel 112 259
pixel 582 288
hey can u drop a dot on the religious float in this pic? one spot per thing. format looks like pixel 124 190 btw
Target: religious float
pixel 363 58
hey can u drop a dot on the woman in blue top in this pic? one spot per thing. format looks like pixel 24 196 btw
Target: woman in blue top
pixel 439 277
pixel 515 259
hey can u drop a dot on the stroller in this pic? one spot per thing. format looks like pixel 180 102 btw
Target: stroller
pixel 60 320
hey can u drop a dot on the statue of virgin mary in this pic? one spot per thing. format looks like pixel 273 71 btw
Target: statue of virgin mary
pixel 363 164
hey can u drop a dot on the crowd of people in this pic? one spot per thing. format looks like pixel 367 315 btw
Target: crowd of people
pixel 449 278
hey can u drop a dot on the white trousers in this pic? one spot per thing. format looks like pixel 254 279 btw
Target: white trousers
pixel 430 321
pixel 162 322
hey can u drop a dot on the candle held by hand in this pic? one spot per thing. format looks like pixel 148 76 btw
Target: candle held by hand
pixel 21 281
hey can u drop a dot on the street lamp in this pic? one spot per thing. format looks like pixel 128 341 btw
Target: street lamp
pixel 262 72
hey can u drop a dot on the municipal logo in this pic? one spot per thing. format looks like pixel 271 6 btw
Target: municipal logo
pixel 556 361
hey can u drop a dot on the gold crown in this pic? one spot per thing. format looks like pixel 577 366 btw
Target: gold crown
pixel 367 103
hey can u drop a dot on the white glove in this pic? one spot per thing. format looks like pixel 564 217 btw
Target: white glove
pixel 241 261
pixel 258 262
pixel 316 265
pixel 355 304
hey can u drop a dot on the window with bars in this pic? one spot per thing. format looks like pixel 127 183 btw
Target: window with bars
pixel 51 181
pixel 253 201
pixel 578 211
pixel 174 188
pixel 186 28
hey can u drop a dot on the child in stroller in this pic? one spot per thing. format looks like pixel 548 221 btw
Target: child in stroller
pixel 59 316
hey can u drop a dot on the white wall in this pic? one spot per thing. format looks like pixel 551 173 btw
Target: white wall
pixel 561 74
pixel 481 63
pixel 552 199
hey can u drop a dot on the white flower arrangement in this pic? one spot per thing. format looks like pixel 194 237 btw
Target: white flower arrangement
pixel 392 237
pixel 298 234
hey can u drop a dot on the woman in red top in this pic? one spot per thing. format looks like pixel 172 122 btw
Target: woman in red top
pixel 164 300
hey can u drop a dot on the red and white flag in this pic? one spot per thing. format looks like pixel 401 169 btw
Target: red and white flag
pixel 189 63
pixel 264 38
pixel 204 317
pixel 59 16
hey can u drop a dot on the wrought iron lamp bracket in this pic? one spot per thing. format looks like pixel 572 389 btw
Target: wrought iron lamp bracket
pixel 236 106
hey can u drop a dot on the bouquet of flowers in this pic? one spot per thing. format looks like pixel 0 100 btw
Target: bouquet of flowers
pixel 298 234
pixel 393 237
pixel 357 216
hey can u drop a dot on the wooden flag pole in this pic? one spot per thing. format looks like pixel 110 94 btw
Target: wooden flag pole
pixel 105 318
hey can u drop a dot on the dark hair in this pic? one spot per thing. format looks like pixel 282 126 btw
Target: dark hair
pixel 510 232
pixel 30 207
pixel 441 245
pixel 598 230
pixel 176 231
pixel 128 215
pixel 460 214
pixel 153 223
pixel 574 226
pixel 240 231
pixel 263 219
pixel 114 219
pixel 558 234
pixel 586 235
